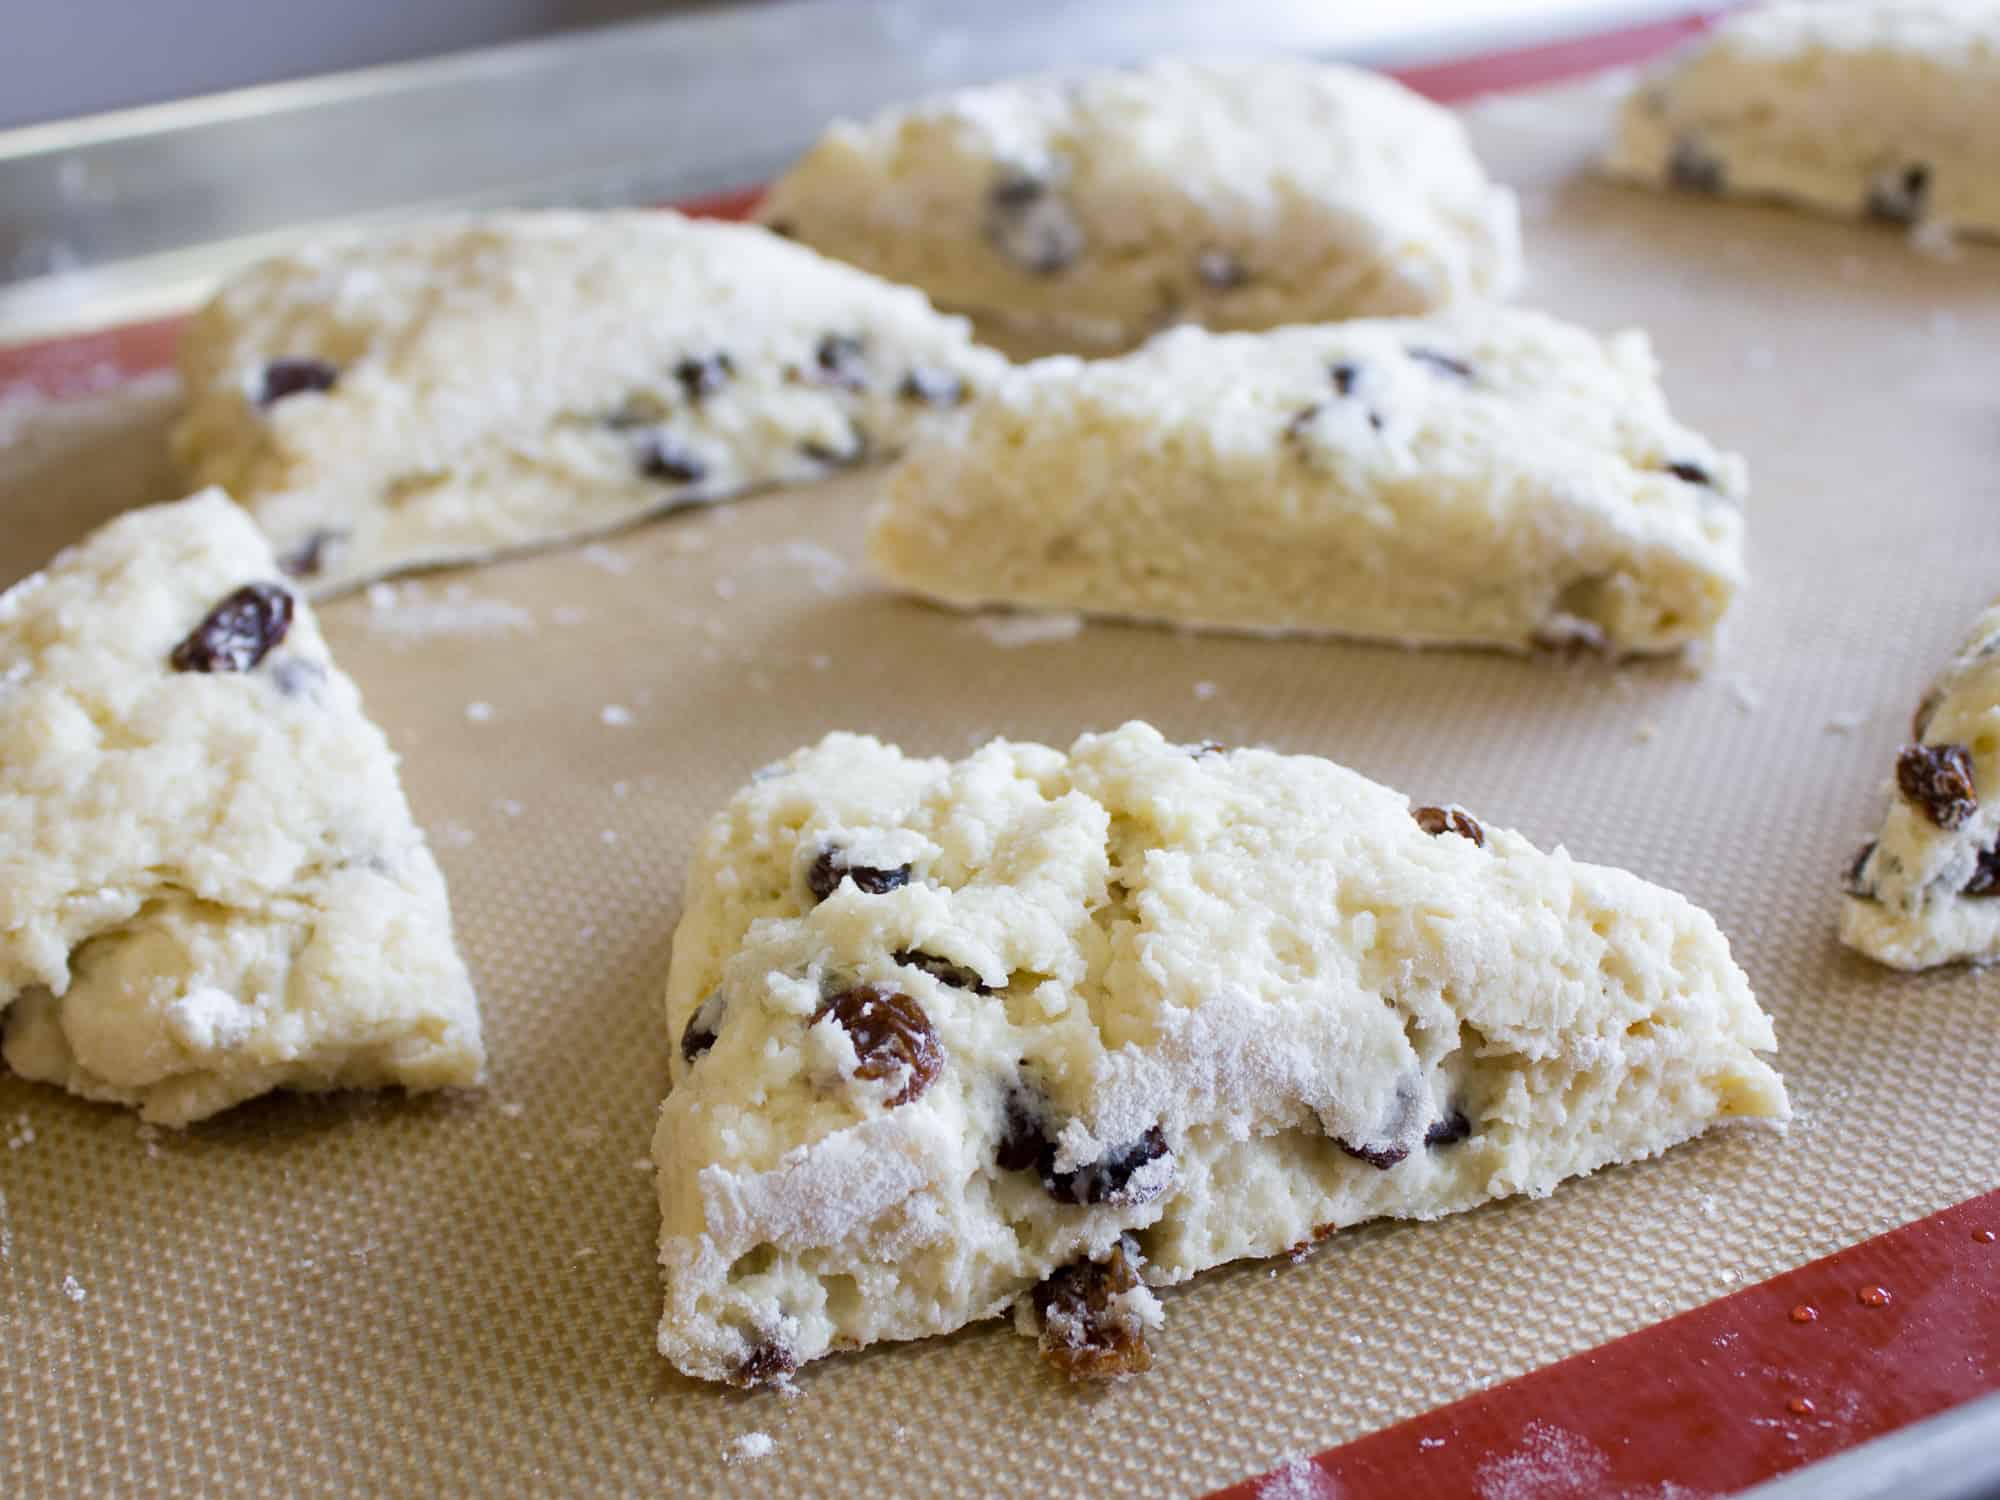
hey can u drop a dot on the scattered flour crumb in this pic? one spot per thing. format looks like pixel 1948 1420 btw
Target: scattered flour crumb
pixel 586 932
pixel 479 713
pixel 609 835
pixel 616 715
pixel 1706 1203
pixel 1298 1479
pixel 568 614
pixel 1029 630
pixel 454 836
pixel 621 789
pixel 1741 692
pixel 73 1289
pixel 1646 733
pixel 23 1133
pixel 1204 691
pixel 507 807
pixel 725 588
pixel 819 661
pixel 1551 1464
pixel 826 568
pixel 748 1448
pixel 1427 1444
pixel 1935 237
pixel 641 1165
pixel 1845 722
pixel 513 1109
pixel 406 616
pixel 600 556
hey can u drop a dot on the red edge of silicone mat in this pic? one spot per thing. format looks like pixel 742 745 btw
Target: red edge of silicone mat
pixel 1724 1396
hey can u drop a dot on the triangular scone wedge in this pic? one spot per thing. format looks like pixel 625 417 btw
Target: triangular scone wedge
pixel 1049 1026
pixel 210 884
pixel 1096 209
pixel 453 391
pixel 1496 478
pixel 1874 109
pixel 1926 890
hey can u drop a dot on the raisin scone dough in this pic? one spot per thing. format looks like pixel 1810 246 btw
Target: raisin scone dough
pixel 1236 195
pixel 1927 890
pixel 1489 477
pixel 459 390
pixel 210 883
pixel 951 1035
pixel 1882 109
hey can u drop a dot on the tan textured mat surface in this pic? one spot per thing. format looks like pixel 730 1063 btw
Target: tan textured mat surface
pixel 368 1295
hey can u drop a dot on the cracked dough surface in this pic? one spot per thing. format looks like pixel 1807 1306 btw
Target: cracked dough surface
pixel 210 883
pixel 1884 109
pixel 458 390
pixel 1236 195
pixel 1225 1001
pixel 1489 477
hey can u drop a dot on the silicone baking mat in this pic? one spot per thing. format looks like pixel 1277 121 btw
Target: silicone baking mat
pixel 370 1294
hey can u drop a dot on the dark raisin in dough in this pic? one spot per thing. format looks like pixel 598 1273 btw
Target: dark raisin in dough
pixel 827 871
pixel 1440 820
pixel 1691 473
pixel 704 375
pixel 1985 879
pixel 1028 222
pixel 892 1037
pixel 1379 1157
pixel 1082 1335
pixel 702 1028
pixel 1109 1178
pixel 943 970
pixel 1693 169
pixel 1023 1135
pixel 1440 363
pixel 311 555
pixel 237 632
pixel 840 360
pixel 1346 375
pixel 1899 196
pixel 663 458
pixel 1938 779
pixel 767 1362
pixel 1854 882
pixel 292 376
pixel 1449 1129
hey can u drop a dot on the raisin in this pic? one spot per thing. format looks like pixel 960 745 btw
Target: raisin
pixel 840 361
pixel 1028 222
pixel 1985 879
pixel 1691 473
pixel 704 375
pixel 1449 1129
pixel 943 970
pixel 768 1362
pixel 784 229
pixel 1694 169
pixel 1379 1157
pixel 1898 196
pixel 1220 271
pixel 292 376
pixel 237 632
pixel 892 1037
pixel 1087 1331
pixel 1346 375
pixel 702 1027
pixel 1023 1140
pixel 663 458
pixel 932 387
pixel 831 867
pixel 1440 820
pixel 311 555
pixel 1440 363
pixel 1938 778
pixel 1109 1178
pixel 1854 882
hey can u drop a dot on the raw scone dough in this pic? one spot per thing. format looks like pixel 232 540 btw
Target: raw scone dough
pixel 1926 891
pixel 210 884
pixel 449 392
pixel 1236 195
pixel 1488 477
pixel 1884 109
pixel 946 1034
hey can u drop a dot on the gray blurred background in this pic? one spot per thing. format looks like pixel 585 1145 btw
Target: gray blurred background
pixel 73 57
